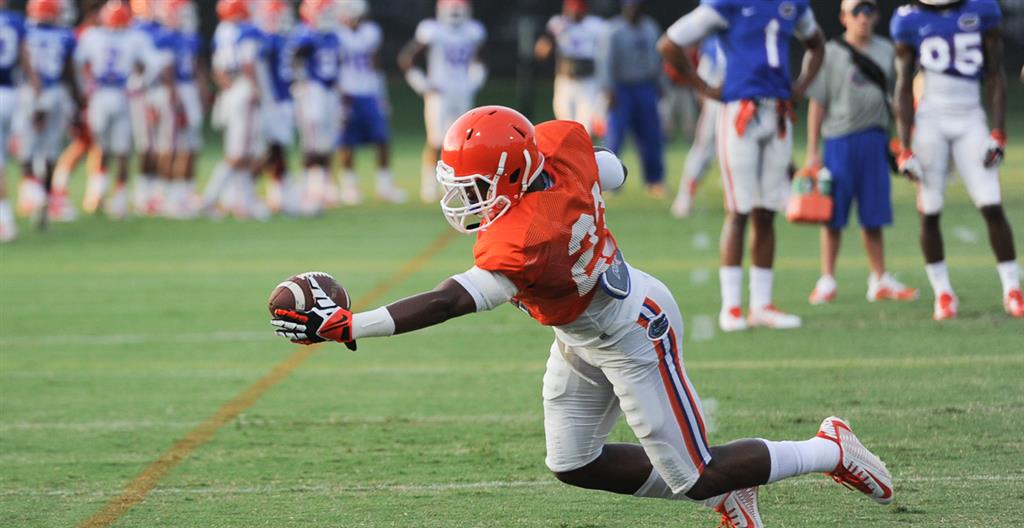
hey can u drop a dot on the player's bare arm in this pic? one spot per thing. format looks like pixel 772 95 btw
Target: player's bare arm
pixel 994 82
pixel 906 66
pixel 544 46
pixel 407 58
pixel 815 117
pixel 813 59
pixel 677 56
pixel 688 31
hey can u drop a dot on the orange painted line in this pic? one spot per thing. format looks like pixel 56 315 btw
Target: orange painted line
pixel 137 490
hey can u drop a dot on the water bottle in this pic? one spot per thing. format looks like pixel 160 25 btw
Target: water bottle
pixel 825 182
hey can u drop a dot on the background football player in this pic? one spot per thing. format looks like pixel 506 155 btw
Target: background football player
pixel 572 36
pixel 958 44
pixel 106 56
pixel 12 37
pixel 533 197
pixel 149 187
pixel 314 51
pixel 277 111
pixel 49 101
pixel 454 74
pixel 365 101
pixel 236 60
pixel 178 136
pixel 755 140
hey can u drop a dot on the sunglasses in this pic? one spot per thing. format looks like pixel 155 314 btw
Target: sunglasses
pixel 864 9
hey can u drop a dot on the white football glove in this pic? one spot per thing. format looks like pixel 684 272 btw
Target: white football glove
pixel 995 149
pixel 909 166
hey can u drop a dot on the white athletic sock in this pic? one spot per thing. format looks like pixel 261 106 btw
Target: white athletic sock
pixel 218 181
pixel 6 214
pixel 789 459
pixel 385 179
pixel 730 279
pixel 760 287
pixel 938 275
pixel 1009 275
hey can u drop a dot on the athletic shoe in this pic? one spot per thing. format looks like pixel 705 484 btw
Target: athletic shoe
pixel 30 197
pixel 771 317
pixel 858 468
pixel 731 319
pixel 390 194
pixel 95 186
pixel 887 288
pixel 824 291
pixel 1014 303
pixel 739 509
pixel 350 194
pixel 117 206
pixel 946 305
pixel 683 204
pixel 61 209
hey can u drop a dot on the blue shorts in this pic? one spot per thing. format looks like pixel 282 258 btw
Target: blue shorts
pixel 860 169
pixel 364 122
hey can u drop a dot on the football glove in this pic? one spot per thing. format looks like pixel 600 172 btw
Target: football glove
pixel 996 148
pixel 326 321
pixel 908 165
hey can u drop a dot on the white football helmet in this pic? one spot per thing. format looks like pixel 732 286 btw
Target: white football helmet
pixel 453 12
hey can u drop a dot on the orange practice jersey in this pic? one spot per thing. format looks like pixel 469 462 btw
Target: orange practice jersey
pixel 554 244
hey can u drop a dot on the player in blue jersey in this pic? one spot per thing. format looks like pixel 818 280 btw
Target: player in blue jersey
pixel 48 102
pixel 755 140
pixel 178 103
pixel 364 100
pixel 276 20
pixel 958 45
pixel 237 72
pixel 315 51
pixel 12 37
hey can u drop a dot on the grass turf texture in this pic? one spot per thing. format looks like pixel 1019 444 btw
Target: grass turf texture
pixel 116 339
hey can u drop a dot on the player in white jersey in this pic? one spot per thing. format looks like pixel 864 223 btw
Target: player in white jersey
pixel 710 68
pixel 237 45
pixel 959 47
pixel 149 188
pixel 573 35
pixel 107 55
pixel 12 40
pixel 454 74
pixel 276 20
pixel 47 102
pixel 364 98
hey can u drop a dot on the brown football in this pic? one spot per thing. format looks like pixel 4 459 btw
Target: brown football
pixel 295 294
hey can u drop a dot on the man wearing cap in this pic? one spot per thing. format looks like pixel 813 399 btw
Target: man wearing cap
pixel 629 70
pixel 573 35
pixel 849 106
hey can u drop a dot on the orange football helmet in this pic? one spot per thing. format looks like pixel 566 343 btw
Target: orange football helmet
pixel 488 159
pixel 115 14
pixel 232 10
pixel 319 14
pixel 43 10
pixel 274 16
pixel 175 14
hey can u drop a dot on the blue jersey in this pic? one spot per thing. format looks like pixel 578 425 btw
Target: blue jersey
pixel 183 48
pixel 947 41
pixel 756 45
pixel 280 70
pixel 321 51
pixel 12 34
pixel 49 49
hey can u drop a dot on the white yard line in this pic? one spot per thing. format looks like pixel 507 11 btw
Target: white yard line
pixel 443 487
pixel 127 339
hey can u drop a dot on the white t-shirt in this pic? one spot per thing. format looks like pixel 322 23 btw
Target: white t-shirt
pixel 358 47
pixel 112 54
pixel 451 51
pixel 576 40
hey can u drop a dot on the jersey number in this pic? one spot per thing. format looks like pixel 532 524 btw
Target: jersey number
pixel 964 55
pixel 771 42
pixel 584 237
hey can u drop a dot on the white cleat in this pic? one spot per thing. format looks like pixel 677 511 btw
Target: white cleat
pixel 739 509
pixel 946 305
pixel 731 319
pixel 61 209
pixel 391 194
pixel 824 291
pixel 117 206
pixel 887 288
pixel 769 316
pixel 30 197
pixel 858 468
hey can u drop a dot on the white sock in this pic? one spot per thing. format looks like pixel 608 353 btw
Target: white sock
pixel 1009 275
pixel 789 459
pixel 730 279
pixel 760 287
pixel 349 180
pixel 218 181
pixel 385 179
pixel 938 275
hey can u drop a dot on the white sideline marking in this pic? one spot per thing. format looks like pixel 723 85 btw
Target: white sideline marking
pixel 965 234
pixel 123 339
pixel 442 487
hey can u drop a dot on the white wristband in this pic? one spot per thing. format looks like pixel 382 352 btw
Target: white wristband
pixel 375 323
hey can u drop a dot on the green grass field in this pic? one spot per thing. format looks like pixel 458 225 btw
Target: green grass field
pixel 118 339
